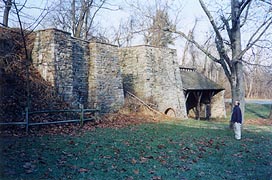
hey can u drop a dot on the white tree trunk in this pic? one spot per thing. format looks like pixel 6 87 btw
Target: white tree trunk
pixel 8 5
pixel 237 86
pixel 237 75
pixel 270 114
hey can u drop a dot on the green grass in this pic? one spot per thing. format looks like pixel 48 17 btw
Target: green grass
pixel 186 149
pixel 253 111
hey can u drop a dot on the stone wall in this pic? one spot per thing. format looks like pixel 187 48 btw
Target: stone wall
pixel 97 74
pixel 153 75
pixel 81 72
pixel 218 109
pixel 105 80
pixel 43 54
pixel 52 55
pixel 80 69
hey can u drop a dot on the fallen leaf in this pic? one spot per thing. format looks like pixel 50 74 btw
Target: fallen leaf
pixel 133 161
pixel 83 170
pixel 161 146
pixel 129 178
pixel 28 171
pixel 238 155
pixel 27 165
pixel 143 159
pixel 151 171
pixel 210 141
pixel 156 178
pixel 201 173
pixel 72 142
pixel 136 171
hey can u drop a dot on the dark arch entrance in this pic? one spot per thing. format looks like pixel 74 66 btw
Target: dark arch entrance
pixel 170 112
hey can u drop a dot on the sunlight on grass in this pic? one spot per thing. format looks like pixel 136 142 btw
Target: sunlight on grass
pixel 187 149
pixel 254 111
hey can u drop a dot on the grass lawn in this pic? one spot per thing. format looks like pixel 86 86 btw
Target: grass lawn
pixel 173 149
pixel 185 149
pixel 257 110
pixel 253 111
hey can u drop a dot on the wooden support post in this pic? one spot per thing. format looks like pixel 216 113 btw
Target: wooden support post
pixel 81 114
pixel 141 101
pixel 198 104
pixel 198 96
pixel 208 106
pixel 27 119
pixel 96 115
pixel 208 111
pixel 187 95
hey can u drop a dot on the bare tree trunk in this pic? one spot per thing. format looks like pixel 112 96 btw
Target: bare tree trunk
pixel 237 75
pixel 86 24
pixel 237 86
pixel 270 114
pixel 232 66
pixel 78 28
pixel 184 53
pixel 8 5
pixel 73 14
pixel 191 46
pixel 249 84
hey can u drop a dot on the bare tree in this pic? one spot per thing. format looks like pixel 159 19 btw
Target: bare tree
pixel 270 114
pixel 8 4
pixel 155 35
pixel 230 51
pixel 152 17
pixel 30 21
pixel 257 76
pixel 20 62
pixel 78 17
pixel 124 34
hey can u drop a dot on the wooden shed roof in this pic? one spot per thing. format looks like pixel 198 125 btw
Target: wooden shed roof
pixel 193 80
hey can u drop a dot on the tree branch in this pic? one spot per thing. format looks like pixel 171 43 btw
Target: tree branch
pixel 243 6
pixel 251 42
pixel 195 43
pixel 246 15
pixel 94 15
pixel 222 50
pixel 226 23
pixel 267 2
pixel 256 64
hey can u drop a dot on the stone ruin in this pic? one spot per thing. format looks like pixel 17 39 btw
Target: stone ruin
pixel 99 75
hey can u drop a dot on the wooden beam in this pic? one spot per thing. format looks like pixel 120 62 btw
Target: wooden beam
pixel 187 95
pixel 198 96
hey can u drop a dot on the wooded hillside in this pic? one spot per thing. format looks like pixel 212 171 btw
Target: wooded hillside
pixel 13 79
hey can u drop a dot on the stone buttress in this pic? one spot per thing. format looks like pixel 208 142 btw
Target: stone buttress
pixel 81 72
pixel 153 75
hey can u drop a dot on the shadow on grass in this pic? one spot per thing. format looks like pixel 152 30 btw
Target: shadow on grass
pixel 186 149
pixel 257 110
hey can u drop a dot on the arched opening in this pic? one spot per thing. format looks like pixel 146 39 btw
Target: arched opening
pixel 170 112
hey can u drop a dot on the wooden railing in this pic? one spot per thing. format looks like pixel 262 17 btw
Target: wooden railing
pixel 81 111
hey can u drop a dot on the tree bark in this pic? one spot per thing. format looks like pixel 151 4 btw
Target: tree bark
pixel 80 23
pixel 238 91
pixel 270 114
pixel 237 86
pixel 8 5
pixel 232 65
pixel 73 14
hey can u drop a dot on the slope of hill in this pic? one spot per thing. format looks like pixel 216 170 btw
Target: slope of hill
pixel 13 79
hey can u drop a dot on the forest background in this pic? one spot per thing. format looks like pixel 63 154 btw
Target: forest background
pixel 134 22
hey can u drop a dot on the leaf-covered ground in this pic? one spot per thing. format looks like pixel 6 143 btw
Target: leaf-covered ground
pixel 184 149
